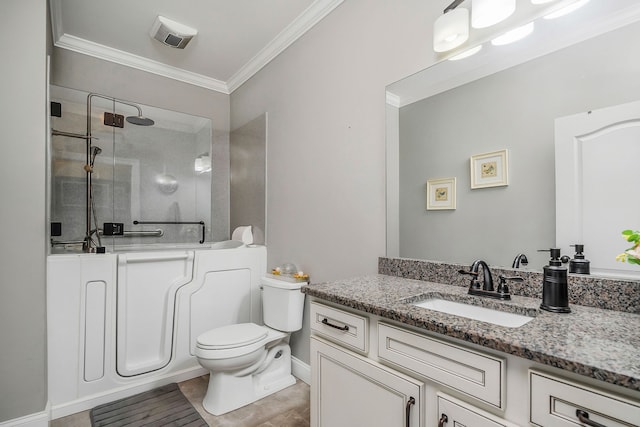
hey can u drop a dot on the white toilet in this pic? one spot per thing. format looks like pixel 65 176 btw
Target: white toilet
pixel 247 361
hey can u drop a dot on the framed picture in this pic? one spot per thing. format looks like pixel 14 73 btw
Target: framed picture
pixel 490 169
pixel 441 194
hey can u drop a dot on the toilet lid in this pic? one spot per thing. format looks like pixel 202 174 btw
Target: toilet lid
pixel 232 336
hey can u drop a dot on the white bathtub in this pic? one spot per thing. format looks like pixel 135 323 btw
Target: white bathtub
pixel 121 323
pixel 225 244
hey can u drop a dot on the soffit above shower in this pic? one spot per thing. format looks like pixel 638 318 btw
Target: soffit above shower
pixel 235 39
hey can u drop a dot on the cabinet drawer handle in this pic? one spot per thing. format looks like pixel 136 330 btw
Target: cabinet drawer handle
pixel 443 420
pixel 325 321
pixel 583 416
pixel 410 403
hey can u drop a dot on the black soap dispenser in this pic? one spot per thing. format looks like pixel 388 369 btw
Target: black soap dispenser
pixel 578 264
pixel 555 290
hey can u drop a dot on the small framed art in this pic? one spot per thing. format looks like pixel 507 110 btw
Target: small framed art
pixel 441 194
pixel 490 169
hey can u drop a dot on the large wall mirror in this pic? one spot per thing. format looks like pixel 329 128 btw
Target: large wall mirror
pixel 512 99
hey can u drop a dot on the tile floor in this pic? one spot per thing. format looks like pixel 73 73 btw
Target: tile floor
pixel 286 408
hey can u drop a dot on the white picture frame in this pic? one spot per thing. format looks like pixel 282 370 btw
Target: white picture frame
pixel 490 169
pixel 441 194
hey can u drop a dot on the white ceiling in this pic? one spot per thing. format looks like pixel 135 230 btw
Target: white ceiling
pixel 235 39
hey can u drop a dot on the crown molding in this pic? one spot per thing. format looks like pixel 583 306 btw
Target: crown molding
pixel 392 99
pixel 107 53
pixel 310 17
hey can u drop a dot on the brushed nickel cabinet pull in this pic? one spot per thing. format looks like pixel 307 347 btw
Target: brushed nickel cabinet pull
pixel 583 416
pixel 443 420
pixel 410 403
pixel 325 321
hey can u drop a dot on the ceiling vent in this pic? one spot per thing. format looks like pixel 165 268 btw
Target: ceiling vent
pixel 172 33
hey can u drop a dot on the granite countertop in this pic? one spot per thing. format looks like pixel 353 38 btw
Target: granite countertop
pixel 602 344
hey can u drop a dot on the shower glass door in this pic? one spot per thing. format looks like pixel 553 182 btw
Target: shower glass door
pixel 153 176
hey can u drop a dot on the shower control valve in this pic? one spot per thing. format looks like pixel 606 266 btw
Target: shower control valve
pixel 113 229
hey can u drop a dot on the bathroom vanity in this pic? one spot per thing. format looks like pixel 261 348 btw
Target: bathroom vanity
pixel 378 359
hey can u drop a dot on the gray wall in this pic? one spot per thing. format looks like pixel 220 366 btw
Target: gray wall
pixel 22 186
pixel 248 150
pixel 513 109
pixel 325 96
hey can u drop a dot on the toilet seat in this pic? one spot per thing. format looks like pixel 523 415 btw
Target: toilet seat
pixel 232 336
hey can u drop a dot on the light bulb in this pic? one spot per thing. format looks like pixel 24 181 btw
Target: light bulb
pixel 485 13
pixel 451 30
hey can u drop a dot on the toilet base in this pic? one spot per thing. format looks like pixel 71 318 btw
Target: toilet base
pixel 227 392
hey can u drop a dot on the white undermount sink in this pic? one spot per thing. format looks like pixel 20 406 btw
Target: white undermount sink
pixel 497 317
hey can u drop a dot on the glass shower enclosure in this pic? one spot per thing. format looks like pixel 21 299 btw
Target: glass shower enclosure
pixel 124 175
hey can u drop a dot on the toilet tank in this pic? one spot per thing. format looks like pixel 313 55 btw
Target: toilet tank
pixel 282 304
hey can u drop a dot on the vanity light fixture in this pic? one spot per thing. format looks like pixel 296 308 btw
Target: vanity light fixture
pixel 452 28
pixel 513 35
pixel 567 9
pixel 485 13
pixel 467 53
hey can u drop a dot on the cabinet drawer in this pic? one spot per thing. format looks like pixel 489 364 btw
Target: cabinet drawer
pixel 454 412
pixel 554 402
pixel 467 371
pixel 346 328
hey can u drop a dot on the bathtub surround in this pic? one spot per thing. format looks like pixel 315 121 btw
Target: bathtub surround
pixel 247 186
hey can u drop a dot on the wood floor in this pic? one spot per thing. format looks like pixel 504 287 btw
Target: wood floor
pixel 286 408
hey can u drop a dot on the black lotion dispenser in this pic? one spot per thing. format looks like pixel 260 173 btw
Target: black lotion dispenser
pixel 578 264
pixel 555 289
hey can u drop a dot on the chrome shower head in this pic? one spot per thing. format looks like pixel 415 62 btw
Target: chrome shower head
pixel 140 121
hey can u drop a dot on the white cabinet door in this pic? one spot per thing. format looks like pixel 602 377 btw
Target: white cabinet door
pixel 349 390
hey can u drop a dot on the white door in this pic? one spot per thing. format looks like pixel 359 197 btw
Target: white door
pixel 597 174
pixel 349 390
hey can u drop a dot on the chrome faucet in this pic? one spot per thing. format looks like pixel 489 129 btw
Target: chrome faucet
pixel 486 289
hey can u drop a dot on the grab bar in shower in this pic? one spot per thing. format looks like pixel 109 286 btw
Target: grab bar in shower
pixel 56 132
pixel 201 223
pixel 143 233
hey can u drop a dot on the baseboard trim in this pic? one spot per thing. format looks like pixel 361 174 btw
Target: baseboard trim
pixel 39 419
pixel 301 370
